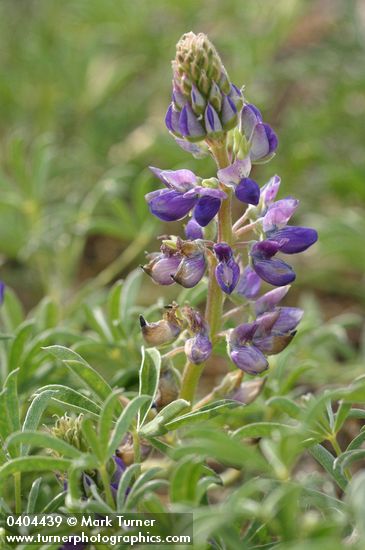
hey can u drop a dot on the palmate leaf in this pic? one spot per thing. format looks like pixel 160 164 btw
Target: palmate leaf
pixel 84 372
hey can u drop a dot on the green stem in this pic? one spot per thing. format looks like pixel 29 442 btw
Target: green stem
pixel 215 298
pixel 18 492
pixel 338 451
pixel 106 484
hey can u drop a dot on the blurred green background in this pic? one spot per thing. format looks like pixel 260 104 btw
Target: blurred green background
pixel 84 86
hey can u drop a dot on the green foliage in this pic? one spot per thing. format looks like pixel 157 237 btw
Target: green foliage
pixel 83 93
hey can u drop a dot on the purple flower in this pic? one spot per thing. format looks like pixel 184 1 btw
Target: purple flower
pixel 249 283
pixel 193 230
pixel 189 125
pixel 248 191
pixel 235 175
pixel 185 264
pixel 295 239
pixel 268 301
pixel 182 195
pixel 190 271
pixel 279 213
pixel 208 202
pixel 276 329
pixel 227 271
pixel 235 95
pixel 198 348
pixel 162 266
pixel 243 353
pixel 272 270
pixel 212 123
pixel 229 112
pixel 260 136
pixel 263 142
pixel 250 117
pixel 172 120
pixel 169 205
pixel 269 192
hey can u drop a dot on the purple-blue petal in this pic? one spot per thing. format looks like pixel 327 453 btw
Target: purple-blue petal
pixel 181 180
pixel 228 113
pixel 211 119
pixel 274 271
pixel 270 190
pixel 193 230
pixel 288 319
pixel 266 249
pixel 189 125
pixel 199 191
pixel 295 239
pixel 242 334
pixel 223 251
pixel 248 191
pixel 249 283
pixel 234 173
pixel 272 138
pixel 162 267
pixel 205 209
pixel 190 271
pixel 260 146
pixel 172 120
pixel 279 213
pixel 169 205
pixel 198 349
pixel 249 359
pixel 268 301
pixel 250 116
pixel 227 275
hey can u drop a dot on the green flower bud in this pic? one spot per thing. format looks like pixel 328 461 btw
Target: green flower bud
pixel 68 428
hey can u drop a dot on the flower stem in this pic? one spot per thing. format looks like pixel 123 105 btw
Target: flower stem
pixel 215 298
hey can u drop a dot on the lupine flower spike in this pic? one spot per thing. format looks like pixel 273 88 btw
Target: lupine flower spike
pixel 209 115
